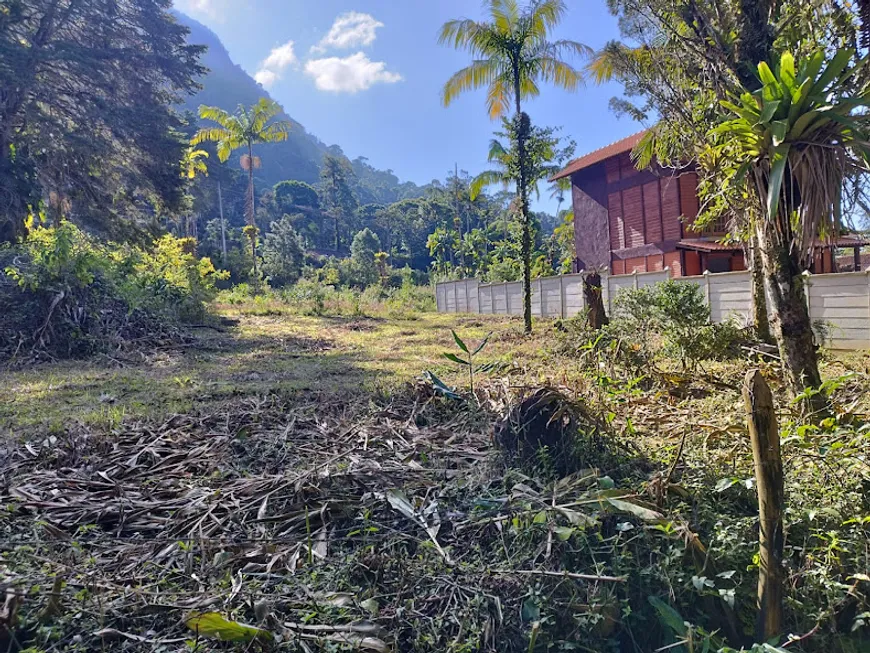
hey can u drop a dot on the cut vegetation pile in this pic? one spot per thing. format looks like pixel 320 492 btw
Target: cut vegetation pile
pixel 385 527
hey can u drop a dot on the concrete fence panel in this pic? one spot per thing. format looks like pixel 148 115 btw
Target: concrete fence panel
pixel 514 297
pixel 457 296
pixel 840 308
pixel 839 304
pixel 728 294
pixel 618 282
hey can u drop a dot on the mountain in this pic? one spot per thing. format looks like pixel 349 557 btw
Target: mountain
pixel 226 86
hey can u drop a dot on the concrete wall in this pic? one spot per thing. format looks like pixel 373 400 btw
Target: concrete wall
pixel 839 303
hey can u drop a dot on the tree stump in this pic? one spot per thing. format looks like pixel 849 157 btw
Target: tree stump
pixel 764 435
pixel 594 301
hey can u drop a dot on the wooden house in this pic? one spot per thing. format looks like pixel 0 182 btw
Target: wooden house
pixel 631 220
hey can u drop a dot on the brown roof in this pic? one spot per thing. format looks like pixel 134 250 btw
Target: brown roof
pixel 701 245
pixel 625 145
pixel 850 241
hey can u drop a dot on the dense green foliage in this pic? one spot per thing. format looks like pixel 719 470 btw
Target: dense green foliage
pixel 86 125
pixel 672 319
pixel 71 294
pixel 283 253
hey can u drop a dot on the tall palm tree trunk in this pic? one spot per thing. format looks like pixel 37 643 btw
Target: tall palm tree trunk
pixel 789 317
pixel 521 124
pixel 249 206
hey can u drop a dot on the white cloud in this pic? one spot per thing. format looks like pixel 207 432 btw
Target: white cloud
pixel 349 75
pixel 350 30
pixel 214 9
pixel 266 77
pixel 279 58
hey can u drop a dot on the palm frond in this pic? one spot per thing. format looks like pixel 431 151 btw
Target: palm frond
pixel 212 134
pixel 459 33
pixel 543 15
pixel 216 114
pixel 497 151
pixel 263 112
pixel 499 97
pixel 487 178
pixel 505 14
pixel 224 149
pixel 275 133
pixel 529 87
pixel 559 73
pixel 567 48
pixel 480 73
pixel 644 152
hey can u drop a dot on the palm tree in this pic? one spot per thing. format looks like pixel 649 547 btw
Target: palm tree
pixel 541 149
pixel 245 128
pixel 192 163
pixel 512 54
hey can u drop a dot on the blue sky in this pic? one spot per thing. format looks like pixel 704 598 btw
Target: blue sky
pixel 367 75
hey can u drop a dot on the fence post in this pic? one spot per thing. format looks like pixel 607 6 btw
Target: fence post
pixel 764 436
pixel 455 298
pixel 507 300
pixel 634 272
pixel 807 285
pixel 707 288
pixel 541 296
pixel 467 306
pixel 562 295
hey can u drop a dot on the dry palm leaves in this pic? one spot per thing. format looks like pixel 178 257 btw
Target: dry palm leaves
pixel 311 523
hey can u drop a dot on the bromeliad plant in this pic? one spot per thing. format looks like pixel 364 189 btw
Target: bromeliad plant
pixel 798 137
pixel 792 145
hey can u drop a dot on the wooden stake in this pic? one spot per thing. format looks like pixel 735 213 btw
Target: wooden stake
pixel 764 435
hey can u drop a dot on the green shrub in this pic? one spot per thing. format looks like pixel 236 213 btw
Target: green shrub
pixel 59 259
pixel 170 280
pixel 673 318
pixel 87 296
pixel 283 253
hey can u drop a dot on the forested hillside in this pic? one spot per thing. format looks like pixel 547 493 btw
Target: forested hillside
pixel 227 85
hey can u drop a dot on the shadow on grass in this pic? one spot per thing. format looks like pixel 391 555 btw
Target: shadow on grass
pixel 214 369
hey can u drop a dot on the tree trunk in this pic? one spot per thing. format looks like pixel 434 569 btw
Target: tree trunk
pixel 252 220
pixel 790 318
pixel 759 302
pixel 764 437
pixel 522 124
pixel 594 300
pixel 223 226
pixel 12 216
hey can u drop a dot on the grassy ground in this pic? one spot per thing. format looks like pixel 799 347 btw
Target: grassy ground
pixel 271 354
pixel 292 471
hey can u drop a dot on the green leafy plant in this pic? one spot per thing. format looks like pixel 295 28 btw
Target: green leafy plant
pixel 673 318
pixel 470 354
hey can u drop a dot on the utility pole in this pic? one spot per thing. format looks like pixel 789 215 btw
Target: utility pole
pixel 223 226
